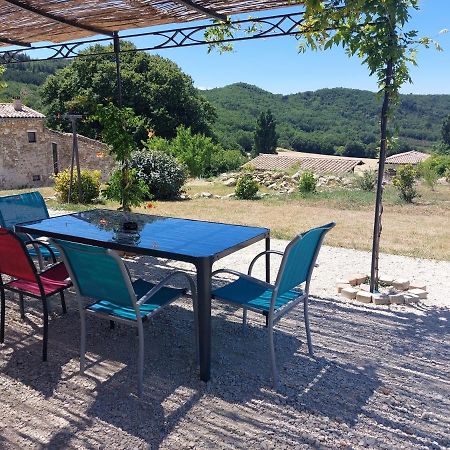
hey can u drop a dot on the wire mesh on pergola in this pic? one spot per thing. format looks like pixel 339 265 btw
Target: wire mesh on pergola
pixel 27 21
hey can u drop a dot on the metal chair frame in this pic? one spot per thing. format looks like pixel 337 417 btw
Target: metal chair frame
pixel 42 296
pixel 138 323
pixel 274 315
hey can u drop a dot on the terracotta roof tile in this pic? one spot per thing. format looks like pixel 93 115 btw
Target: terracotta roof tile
pixel 412 157
pixel 7 111
pixel 318 165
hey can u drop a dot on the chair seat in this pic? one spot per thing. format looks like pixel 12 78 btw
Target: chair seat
pixel 164 296
pixel 53 280
pixel 252 294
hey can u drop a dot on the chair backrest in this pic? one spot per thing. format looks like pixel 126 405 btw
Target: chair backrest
pixel 300 257
pixel 22 208
pixel 97 273
pixel 14 258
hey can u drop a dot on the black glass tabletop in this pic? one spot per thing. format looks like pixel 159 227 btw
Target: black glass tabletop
pixel 148 234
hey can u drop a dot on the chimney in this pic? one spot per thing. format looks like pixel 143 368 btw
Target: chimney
pixel 18 104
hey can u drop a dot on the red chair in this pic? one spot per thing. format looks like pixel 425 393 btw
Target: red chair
pixel 16 263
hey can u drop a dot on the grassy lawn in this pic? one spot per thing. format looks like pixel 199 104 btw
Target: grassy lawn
pixel 420 230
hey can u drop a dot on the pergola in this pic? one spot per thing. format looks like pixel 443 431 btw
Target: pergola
pixel 70 24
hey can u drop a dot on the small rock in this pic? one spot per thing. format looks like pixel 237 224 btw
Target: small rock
pixel 364 287
pixel 419 292
pixel 364 297
pixel 356 278
pixel 402 284
pixel 397 299
pixel 230 182
pixel 380 299
pixel 349 293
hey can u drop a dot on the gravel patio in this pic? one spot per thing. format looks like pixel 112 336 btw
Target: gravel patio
pixel 380 378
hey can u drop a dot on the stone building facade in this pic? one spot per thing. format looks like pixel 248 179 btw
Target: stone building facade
pixel 30 153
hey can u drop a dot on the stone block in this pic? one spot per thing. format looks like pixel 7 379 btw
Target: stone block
pixel 397 299
pixel 364 287
pixel 418 285
pixel 380 299
pixel 419 292
pixel 364 297
pixel 386 279
pixel 340 286
pixel 402 284
pixel 356 278
pixel 411 298
pixel 349 293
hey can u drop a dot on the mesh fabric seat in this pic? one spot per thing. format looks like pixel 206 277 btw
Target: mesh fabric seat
pixel 16 263
pixel 102 280
pixel 273 301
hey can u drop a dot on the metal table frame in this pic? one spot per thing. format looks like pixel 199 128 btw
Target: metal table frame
pixel 203 266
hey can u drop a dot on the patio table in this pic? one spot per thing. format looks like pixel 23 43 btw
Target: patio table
pixel 200 243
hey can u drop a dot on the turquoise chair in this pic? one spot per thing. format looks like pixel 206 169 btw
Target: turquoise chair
pixel 26 207
pixel 100 274
pixel 275 300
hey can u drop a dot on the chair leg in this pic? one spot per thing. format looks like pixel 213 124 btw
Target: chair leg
pixel 272 355
pixel 112 325
pixel 140 358
pixel 308 330
pixel 45 337
pixel 2 317
pixel 63 302
pixel 22 307
pixel 195 308
pixel 82 340
pixel 244 318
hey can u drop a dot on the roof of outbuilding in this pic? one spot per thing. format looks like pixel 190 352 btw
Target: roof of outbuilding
pixel 412 157
pixel 7 111
pixel 315 164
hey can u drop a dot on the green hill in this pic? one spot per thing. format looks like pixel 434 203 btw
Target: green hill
pixel 326 120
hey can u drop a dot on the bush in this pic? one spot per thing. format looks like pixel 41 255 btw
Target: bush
pixel 429 175
pixel 307 182
pixel 246 188
pixel 226 161
pixel 90 185
pixel 404 181
pixel 367 181
pixel 437 163
pixel 135 188
pixel 161 173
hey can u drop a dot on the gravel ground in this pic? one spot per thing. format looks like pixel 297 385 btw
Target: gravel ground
pixel 380 377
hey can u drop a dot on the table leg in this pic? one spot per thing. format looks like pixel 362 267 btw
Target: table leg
pixel 268 259
pixel 204 268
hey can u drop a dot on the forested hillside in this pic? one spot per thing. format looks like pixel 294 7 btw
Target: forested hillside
pixel 23 80
pixel 326 120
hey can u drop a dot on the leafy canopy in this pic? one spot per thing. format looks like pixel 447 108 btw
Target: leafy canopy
pixel 153 86
pixel 265 134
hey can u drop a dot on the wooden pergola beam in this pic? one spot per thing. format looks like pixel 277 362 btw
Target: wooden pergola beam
pixel 207 11
pixel 56 18
pixel 4 40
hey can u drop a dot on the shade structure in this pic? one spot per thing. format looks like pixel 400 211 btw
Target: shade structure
pixel 29 21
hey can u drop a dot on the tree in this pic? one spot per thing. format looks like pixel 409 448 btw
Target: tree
pixel 355 149
pixel 446 131
pixel 265 134
pixel 2 71
pixel 154 87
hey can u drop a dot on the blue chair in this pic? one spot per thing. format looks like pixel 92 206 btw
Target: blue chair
pixel 274 301
pixel 27 207
pixel 100 274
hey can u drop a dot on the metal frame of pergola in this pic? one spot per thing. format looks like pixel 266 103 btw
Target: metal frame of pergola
pixel 154 12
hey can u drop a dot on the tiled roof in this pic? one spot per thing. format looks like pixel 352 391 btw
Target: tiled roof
pixel 412 157
pixel 7 111
pixel 317 165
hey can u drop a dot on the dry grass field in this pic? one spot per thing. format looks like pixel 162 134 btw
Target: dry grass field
pixel 420 230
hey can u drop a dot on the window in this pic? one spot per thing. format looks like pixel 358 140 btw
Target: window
pixel 31 137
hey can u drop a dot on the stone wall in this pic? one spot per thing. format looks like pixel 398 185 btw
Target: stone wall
pixel 25 164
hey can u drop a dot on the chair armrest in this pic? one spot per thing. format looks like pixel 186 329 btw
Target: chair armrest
pixel 34 242
pixel 265 252
pixel 243 275
pixel 164 281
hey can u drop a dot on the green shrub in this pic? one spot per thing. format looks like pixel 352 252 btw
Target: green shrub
pixel 367 181
pixel 405 181
pixel 429 175
pixel 246 188
pixel 226 161
pixel 136 189
pixel 307 182
pixel 90 186
pixel 437 163
pixel 163 175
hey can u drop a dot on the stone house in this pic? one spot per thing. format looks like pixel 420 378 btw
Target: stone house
pixel 31 153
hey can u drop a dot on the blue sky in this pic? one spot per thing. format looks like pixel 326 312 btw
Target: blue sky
pixel 275 65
